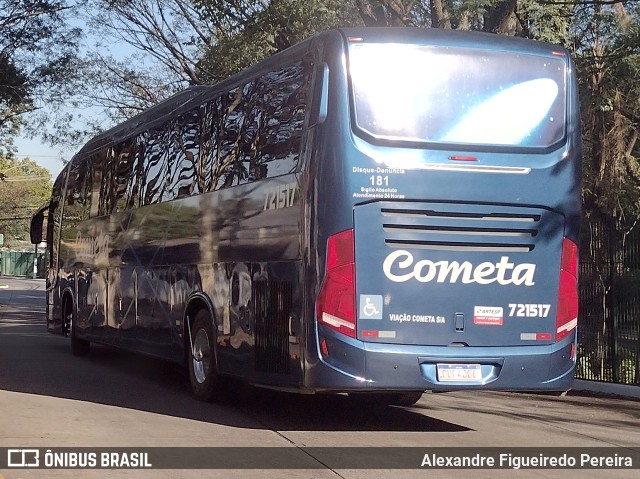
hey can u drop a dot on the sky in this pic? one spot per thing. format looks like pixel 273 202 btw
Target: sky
pixel 43 155
pixel 48 156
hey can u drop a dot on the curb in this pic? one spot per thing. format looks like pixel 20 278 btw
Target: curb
pixel 622 390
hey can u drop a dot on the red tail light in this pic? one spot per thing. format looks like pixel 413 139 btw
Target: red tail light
pixel 336 306
pixel 567 318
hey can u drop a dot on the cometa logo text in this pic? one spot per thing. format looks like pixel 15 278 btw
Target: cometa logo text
pixel 399 266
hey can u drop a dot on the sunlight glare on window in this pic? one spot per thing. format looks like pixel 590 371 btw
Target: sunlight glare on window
pixel 396 93
pixel 499 119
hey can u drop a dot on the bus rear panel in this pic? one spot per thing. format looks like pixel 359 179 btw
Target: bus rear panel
pixel 452 262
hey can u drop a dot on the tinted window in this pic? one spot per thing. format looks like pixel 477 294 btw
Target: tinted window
pixel 155 167
pixel 459 96
pixel 247 134
pixel 262 125
pixel 107 164
pixel 124 162
pixel 116 164
pixel 136 174
pixel 185 157
pixel 211 123
pixel 78 193
pixel 53 219
pixel 231 168
pixel 281 105
pixel 77 206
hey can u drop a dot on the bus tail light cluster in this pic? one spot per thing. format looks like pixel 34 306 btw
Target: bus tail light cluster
pixel 567 318
pixel 336 306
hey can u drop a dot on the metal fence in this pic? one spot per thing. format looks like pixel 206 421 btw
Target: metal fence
pixel 609 322
pixel 20 263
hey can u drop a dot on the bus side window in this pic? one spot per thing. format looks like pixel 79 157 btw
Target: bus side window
pixel 255 119
pixel 76 207
pixel 284 104
pixel 210 124
pixel 123 165
pixel 94 185
pixel 53 220
pixel 78 194
pixel 171 156
pixel 155 169
pixel 185 152
pixel 108 162
pixel 231 170
pixel 136 174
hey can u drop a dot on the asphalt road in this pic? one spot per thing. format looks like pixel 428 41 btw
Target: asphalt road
pixel 48 398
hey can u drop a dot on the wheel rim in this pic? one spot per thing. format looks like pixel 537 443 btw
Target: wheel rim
pixel 67 327
pixel 201 357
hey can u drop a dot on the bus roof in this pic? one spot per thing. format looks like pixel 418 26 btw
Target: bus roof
pixel 455 38
pixel 193 96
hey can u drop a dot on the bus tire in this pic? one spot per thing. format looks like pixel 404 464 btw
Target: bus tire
pixel 406 399
pixel 79 347
pixel 201 359
pixel 379 399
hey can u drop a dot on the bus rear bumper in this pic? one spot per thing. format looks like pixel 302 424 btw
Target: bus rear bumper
pixel 354 365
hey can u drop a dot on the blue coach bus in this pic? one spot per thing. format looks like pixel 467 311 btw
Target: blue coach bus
pixel 372 210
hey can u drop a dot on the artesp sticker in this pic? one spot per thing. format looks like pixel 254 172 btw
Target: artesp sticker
pixel 487 315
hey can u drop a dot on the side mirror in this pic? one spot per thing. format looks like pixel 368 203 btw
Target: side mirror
pixel 35 231
pixel 320 99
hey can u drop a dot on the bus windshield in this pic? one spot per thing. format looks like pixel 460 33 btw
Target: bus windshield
pixel 425 94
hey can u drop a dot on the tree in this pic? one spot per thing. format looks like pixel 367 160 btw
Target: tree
pixel 140 52
pixel 14 100
pixel 174 44
pixel 170 45
pixel 24 187
pixel 607 49
pixel 382 13
pixel 249 31
pixel 529 18
pixel 36 48
pixel 164 40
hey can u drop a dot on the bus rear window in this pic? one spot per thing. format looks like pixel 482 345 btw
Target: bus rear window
pixel 446 95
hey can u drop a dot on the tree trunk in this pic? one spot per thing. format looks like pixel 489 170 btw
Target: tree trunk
pixel 501 19
pixel 439 15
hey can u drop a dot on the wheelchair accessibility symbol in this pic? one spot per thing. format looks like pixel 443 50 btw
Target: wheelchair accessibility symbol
pixel 370 306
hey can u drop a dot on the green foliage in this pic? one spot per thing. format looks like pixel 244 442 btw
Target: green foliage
pixel 265 31
pixel 36 49
pixel 24 187
pixel 546 21
pixel 251 30
pixel 14 99
pixel 607 50
pixel 184 42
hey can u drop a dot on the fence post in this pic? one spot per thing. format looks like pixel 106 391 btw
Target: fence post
pixel 612 301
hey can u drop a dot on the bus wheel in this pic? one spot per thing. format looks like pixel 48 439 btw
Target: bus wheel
pixel 203 372
pixel 378 399
pixel 79 347
pixel 406 399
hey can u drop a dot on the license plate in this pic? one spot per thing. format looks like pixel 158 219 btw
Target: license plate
pixel 459 373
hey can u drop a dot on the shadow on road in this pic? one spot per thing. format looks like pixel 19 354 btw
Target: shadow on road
pixel 123 379
pixel 33 361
